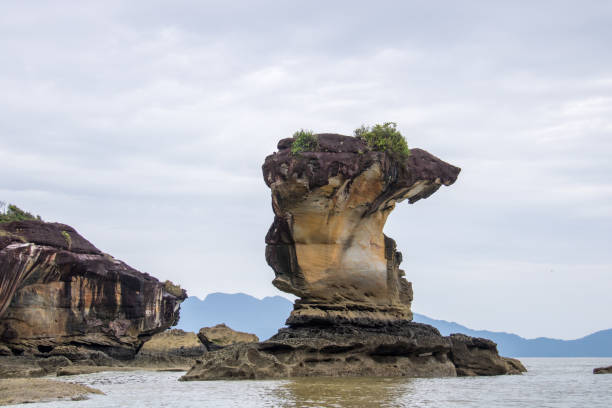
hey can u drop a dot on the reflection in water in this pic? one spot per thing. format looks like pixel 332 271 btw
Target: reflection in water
pixel 343 392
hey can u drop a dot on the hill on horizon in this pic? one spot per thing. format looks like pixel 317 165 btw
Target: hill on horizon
pixel 598 344
pixel 265 316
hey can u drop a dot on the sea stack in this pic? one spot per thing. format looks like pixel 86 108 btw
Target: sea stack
pixel 326 246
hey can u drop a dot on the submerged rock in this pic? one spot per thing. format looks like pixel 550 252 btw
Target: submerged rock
pixel 60 295
pixel 326 245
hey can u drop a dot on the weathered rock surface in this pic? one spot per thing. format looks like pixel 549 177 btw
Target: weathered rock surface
pixel 326 245
pixel 21 367
pixel 60 295
pixel 172 348
pixel 409 349
pixel 62 360
pixel 603 370
pixel 477 356
pixel 220 336
pixel 399 350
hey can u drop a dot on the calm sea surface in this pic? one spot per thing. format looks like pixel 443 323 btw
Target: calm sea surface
pixel 550 382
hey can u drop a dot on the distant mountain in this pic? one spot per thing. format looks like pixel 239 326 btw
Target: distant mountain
pixel 264 317
pixel 598 344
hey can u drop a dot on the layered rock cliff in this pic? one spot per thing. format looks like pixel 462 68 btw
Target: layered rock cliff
pixel 57 290
pixel 326 245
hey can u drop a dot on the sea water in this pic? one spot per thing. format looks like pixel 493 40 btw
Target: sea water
pixel 550 382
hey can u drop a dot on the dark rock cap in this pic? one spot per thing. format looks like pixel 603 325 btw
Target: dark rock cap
pixel 350 156
pixel 53 234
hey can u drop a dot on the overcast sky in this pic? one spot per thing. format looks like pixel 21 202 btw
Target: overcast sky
pixel 144 124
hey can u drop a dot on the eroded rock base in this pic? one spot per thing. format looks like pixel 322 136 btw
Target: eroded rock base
pixel 404 349
pixel 172 350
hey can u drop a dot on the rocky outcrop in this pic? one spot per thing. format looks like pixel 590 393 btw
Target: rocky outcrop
pixel 172 348
pixel 603 370
pixel 408 349
pixel 398 350
pixel 60 295
pixel 326 245
pixel 477 356
pixel 220 336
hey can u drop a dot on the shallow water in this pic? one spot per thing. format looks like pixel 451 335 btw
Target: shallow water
pixel 550 382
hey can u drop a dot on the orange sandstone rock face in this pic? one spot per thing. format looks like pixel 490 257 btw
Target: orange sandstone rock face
pixel 57 289
pixel 326 244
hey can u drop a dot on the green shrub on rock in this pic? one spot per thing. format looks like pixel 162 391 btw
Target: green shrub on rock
pixel 305 141
pixel 383 138
pixel 173 289
pixel 68 238
pixel 14 213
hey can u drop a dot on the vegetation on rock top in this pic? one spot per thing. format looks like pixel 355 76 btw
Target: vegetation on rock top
pixel 11 212
pixel 383 138
pixel 305 141
pixel 173 289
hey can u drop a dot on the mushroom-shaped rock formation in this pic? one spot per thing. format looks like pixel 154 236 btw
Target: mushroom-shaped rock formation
pixel 326 244
pixel 57 290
